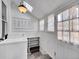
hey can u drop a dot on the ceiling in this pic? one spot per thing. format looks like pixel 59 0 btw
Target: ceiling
pixel 42 7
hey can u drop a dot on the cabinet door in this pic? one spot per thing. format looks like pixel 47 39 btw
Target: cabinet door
pixel 17 51
pixel 3 51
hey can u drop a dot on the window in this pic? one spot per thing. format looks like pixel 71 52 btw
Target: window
pixel 68 29
pixel 41 25
pixel 59 17
pixel 74 12
pixel 51 23
pixel 66 14
pixel 75 37
pixel 4 28
pixel 66 25
pixel 4 20
pixel 66 36
pixel 71 12
pixel 72 37
pixel 60 37
pixel 75 24
pixel 60 25
pixel 71 25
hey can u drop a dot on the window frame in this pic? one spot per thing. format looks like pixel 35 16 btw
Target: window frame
pixel 71 21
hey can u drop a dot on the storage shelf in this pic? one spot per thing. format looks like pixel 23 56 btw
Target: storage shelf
pixel 33 44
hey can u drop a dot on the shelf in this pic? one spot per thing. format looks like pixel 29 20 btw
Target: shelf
pixel 34 49
pixel 33 44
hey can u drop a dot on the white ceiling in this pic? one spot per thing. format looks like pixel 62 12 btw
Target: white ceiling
pixel 43 7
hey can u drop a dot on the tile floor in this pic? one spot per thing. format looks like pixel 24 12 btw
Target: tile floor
pixel 38 55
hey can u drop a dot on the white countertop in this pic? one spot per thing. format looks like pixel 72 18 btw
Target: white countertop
pixel 9 41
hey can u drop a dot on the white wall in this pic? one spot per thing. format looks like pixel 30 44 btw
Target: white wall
pixel 49 44
pixel 15 13
pixel 12 11
pixel 13 50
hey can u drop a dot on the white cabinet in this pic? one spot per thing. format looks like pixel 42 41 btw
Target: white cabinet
pixel 17 50
pixel 3 51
